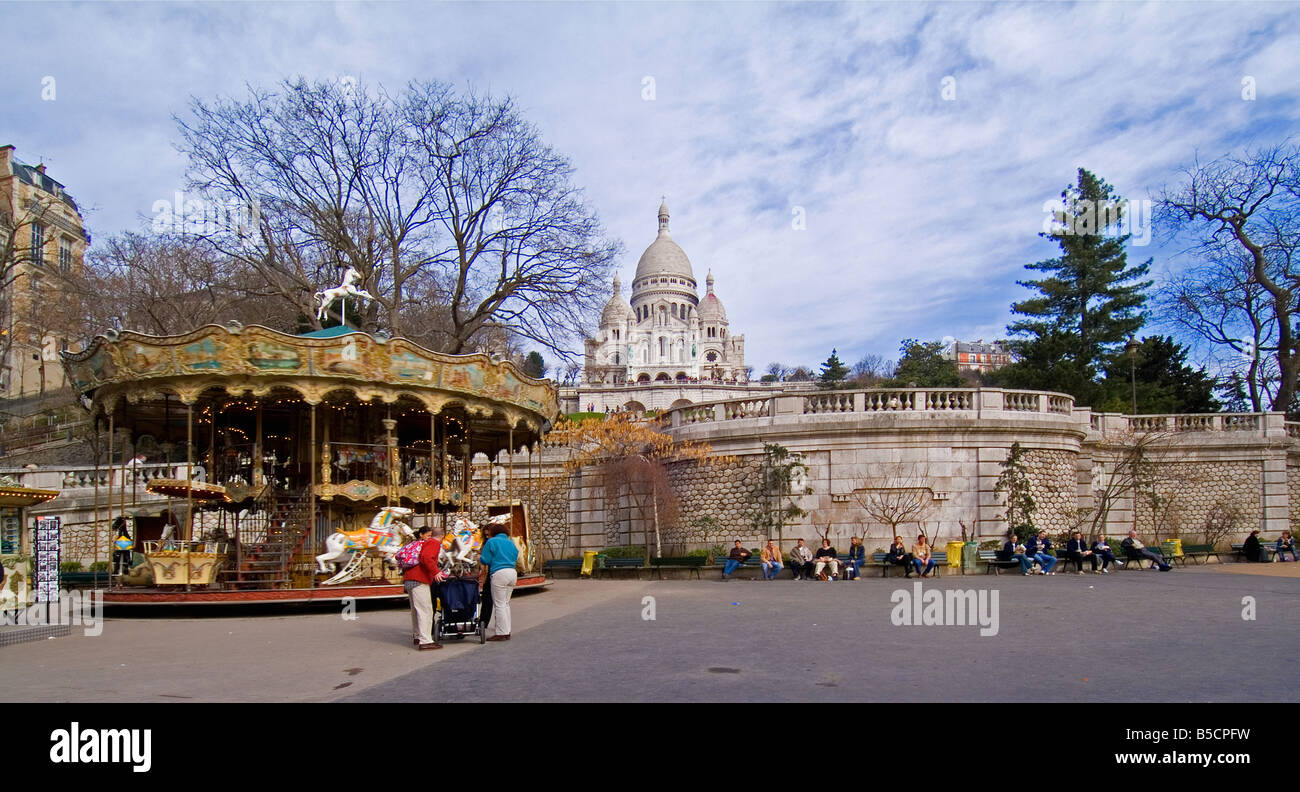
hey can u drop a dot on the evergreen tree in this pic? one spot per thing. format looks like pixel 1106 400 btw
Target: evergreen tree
pixel 922 365
pixel 1091 301
pixel 534 365
pixel 1165 384
pixel 833 372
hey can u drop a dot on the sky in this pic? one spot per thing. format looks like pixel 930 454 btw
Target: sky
pixel 852 173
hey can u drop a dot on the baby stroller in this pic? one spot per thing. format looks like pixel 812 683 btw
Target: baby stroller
pixel 458 610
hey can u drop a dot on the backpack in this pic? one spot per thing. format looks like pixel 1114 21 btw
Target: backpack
pixel 409 555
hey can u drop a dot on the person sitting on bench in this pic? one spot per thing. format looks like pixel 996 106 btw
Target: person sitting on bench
pixel 898 556
pixel 801 561
pixel 857 555
pixel 1077 549
pixel 1102 550
pixel 1133 546
pixel 921 556
pixel 1036 548
pixel 1014 551
pixel 771 558
pixel 826 558
pixel 1286 544
pixel 737 557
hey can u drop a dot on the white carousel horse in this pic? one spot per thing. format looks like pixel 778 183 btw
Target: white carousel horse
pixel 384 534
pixel 461 545
pixel 349 288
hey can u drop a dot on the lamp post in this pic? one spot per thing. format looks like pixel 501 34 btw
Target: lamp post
pixel 1131 349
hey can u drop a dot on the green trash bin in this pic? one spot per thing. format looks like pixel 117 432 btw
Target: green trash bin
pixel 970 556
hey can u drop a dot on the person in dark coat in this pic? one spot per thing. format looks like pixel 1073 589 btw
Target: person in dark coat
pixel 898 556
pixel 1253 549
pixel 1077 549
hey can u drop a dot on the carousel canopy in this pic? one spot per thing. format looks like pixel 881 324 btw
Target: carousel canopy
pixel 145 378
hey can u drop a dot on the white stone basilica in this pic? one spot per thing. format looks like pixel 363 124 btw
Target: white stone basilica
pixel 667 334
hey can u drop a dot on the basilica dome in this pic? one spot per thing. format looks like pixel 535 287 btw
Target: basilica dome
pixel 663 257
pixel 711 309
pixel 617 311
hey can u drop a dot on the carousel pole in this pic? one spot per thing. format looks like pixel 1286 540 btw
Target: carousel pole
pixel 258 474
pixel 96 476
pixel 121 489
pixel 510 469
pixel 189 472
pixel 311 493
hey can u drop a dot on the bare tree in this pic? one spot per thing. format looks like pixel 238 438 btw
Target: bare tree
pixel 1220 301
pixel 1129 466
pixel 1251 204
pixel 459 218
pixel 897 493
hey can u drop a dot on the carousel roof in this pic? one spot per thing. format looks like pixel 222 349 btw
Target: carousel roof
pixel 256 360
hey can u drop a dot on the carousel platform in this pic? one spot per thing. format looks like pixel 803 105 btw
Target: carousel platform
pixel 153 597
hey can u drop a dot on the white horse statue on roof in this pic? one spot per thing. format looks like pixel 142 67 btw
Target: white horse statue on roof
pixel 350 287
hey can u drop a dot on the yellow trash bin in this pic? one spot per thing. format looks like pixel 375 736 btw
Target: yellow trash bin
pixel 588 562
pixel 954 554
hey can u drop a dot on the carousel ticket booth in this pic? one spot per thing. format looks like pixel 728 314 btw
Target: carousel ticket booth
pixel 288 442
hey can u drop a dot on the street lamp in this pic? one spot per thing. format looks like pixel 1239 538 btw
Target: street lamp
pixel 1131 349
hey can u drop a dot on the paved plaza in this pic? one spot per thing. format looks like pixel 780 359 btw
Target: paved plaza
pixel 1130 636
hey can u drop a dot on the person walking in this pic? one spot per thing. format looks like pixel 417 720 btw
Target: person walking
pixel 418 582
pixel 497 566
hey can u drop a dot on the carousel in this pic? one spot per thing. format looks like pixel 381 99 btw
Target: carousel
pixel 306 459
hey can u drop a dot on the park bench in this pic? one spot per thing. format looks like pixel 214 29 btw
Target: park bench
pixel 939 557
pixel 691 563
pixel 562 563
pixel 70 580
pixel 995 564
pixel 1133 560
pixel 1239 552
pixel 611 563
pixel 1197 551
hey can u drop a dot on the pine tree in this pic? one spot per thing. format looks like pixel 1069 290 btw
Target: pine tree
pixel 1091 302
pixel 922 365
pixel 833 371
pixel 534 365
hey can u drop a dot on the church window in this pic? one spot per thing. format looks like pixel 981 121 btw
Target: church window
pixel 663 347
pixel 615 358
pixel 674 310
pixel 711 357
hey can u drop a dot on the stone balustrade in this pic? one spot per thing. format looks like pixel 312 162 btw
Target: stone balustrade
pixel 975 402
pixel 72 477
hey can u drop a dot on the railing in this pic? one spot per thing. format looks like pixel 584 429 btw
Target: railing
pixel 837 402
pixel 233 464
pixel 1021 401
pixel 67 477
pixel 1263 423
pixel 1062 405
pixel 950 400
pixel 358 462
pixel 880 401
pixel 750 408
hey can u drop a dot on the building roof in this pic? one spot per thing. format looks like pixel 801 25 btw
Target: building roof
pixel 664 256
pixel 711 309
pixel 617 310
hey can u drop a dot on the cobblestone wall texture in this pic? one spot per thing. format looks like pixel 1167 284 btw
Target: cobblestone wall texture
pixel 1053 485
pixel 1187 494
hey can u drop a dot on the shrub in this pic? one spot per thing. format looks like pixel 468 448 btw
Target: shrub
pixel 698 554
pixel 100 566
pixel 70 566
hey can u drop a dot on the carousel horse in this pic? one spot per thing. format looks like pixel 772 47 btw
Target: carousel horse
pixel 385 534
pixel 463 541
pixel 349 288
